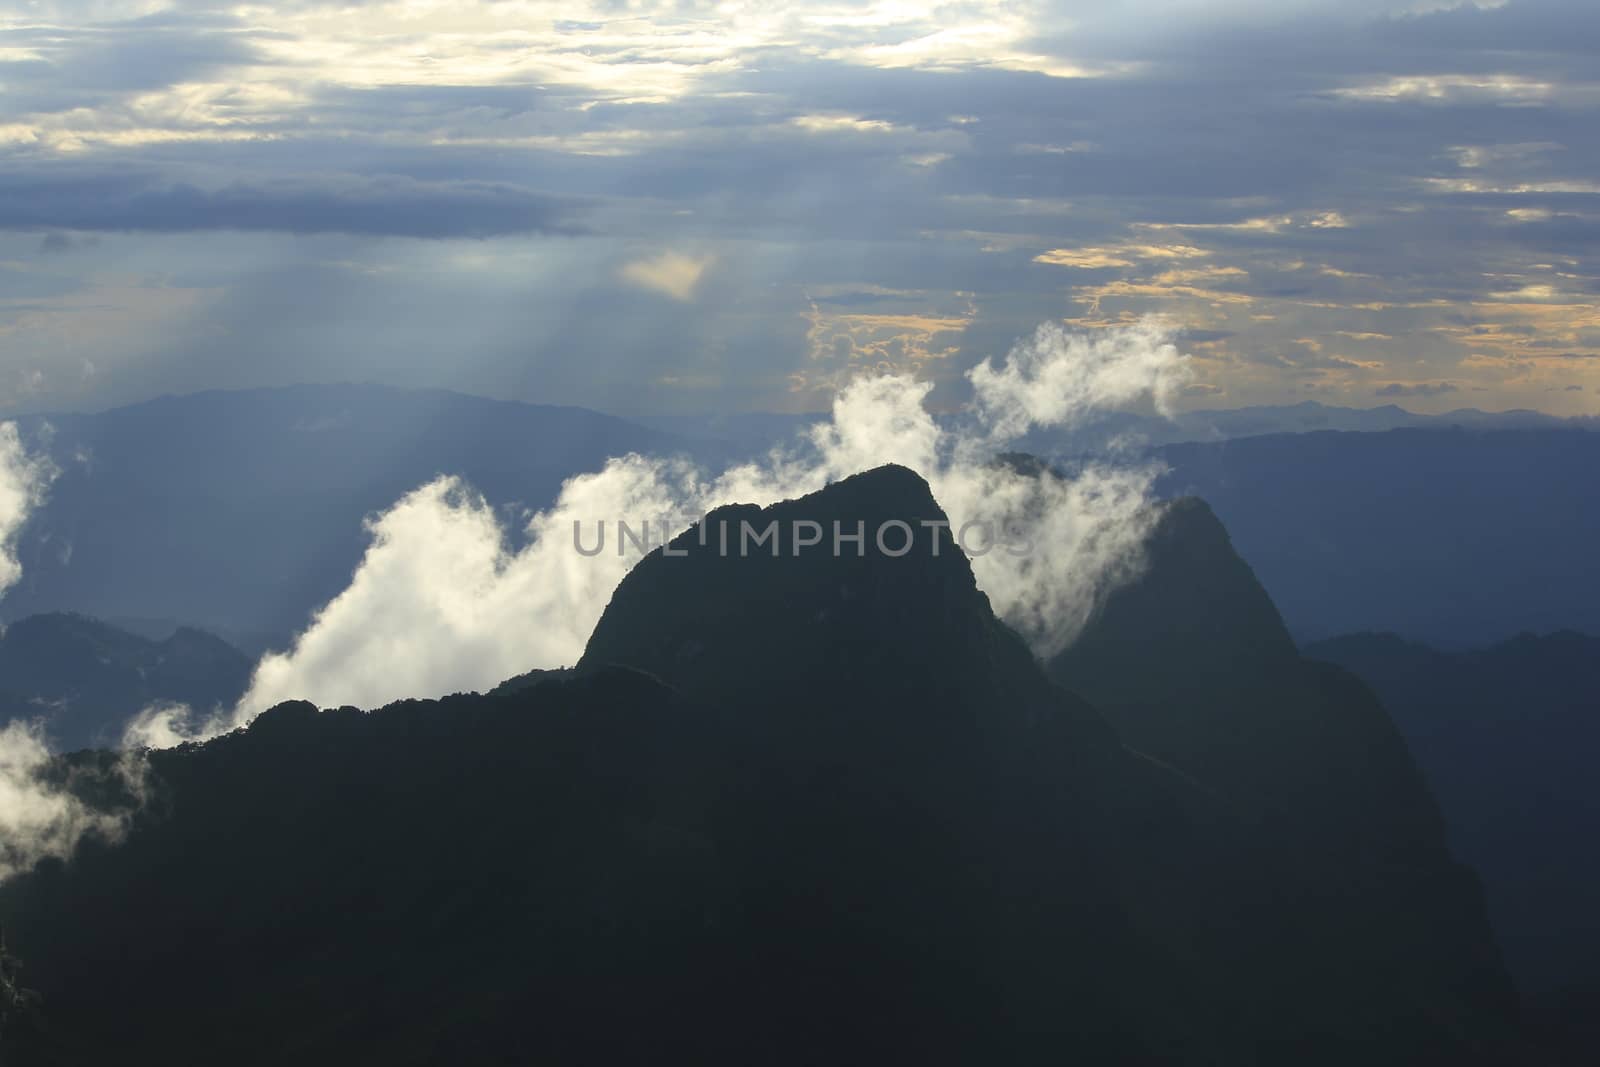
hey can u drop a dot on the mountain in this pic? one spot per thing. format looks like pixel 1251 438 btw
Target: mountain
pixel 752 433
pixel 726 624
pixel 1223 424
pixel 1193 667
pixel 1457 537
pixel 1308 416
pixel 1507 736
pixel 748 434
pixel 85 678
pixel 788 809
pixel 244 510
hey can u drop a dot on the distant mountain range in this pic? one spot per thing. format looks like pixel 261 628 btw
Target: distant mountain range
pixel 244 510
pixel 753 432
pixel 85 679
pixel 1310 416
pixel 1461 537
pixel 799 809
pixel 241 512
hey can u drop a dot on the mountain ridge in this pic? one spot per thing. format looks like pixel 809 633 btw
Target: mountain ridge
pixel 881 834
pixel 84 679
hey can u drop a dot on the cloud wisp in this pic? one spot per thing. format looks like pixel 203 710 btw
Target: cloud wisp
pixel 443 601
pixel 24 478
pixel 41 815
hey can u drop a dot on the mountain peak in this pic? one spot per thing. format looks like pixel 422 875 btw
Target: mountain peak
pixel 861 589
pixel 1198 603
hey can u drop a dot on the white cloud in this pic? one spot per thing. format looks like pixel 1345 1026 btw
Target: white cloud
pixel 41 819
pixel 841 124
pixel 38 818
pixel 1451 88
pixel 24 477
pixel 442 602
pixel 670 273
pixel 1057 377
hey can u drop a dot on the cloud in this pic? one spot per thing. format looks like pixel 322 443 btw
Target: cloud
pixel 444 601
pixel 671 273
pixel 55 242
pixel 1450 88
pixel 41 813
pixel 1416 389
pixel 375 206
pixel 790 142
pixel 1082 258
pixel 24 478
pixel 1056 376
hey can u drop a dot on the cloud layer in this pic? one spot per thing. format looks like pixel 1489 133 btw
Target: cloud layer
pixel 1339 197
pixel 444 602
pixel 24 478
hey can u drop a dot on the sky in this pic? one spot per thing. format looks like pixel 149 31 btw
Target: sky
pixel 688 207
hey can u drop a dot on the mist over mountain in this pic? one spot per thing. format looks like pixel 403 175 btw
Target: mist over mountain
pixel 84 679
pixel 793 807
pixel 1034 579
pixel 242 511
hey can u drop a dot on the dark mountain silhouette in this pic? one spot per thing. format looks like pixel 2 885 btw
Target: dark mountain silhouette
pixel 726 624
pixel 1453 536
pixel 85 678
pixel 1194 667
pixel 789 809
pixel 754 432
pixel 1508 737
pixel 244 509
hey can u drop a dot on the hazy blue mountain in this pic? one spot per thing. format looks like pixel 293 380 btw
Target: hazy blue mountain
pixel 1457 536
pixel 747 433
pixel 85 678
pixel 1508 736
pixel 789 810
pixel 242 511
pixel 755 432
pixel 1309 416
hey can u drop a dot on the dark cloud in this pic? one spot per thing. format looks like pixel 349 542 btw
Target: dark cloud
pixel 94 63
pixel 376 206
pixel 56 242
pixel 1349 179
pixel 1420 389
